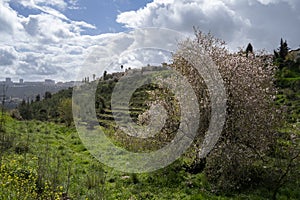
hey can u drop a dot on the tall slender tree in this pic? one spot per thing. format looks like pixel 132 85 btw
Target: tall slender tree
pixel 249 49
pixel 283 49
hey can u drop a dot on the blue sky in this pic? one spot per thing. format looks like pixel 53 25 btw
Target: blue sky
pixel 101 13
pixel 65 39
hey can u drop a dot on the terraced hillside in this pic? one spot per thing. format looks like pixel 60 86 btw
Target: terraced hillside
pixel 181 180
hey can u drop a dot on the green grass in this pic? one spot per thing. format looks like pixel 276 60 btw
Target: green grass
pixel 60 147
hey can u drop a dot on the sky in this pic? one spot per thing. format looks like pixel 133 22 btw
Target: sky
pixel 67 40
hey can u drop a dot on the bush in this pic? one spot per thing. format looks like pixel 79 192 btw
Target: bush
pixel 21 148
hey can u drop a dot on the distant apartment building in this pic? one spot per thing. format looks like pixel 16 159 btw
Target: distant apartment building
pixel 8 82
pixel 49 82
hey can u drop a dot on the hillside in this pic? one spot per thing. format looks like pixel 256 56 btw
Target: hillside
pixel 288 82
pixel 48 161
pixel 255 157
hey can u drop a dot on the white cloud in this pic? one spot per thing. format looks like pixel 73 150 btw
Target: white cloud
pixel 292 3
pixel 49 28
pixel 262 22
pixel 182 15
pixel 45 45
pixel 132 49
pixel 141 57
pixel 8 18
pixel 60 4
pixel 7 56
pixel 74 5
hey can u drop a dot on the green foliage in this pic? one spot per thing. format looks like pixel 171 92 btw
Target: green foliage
pixel 48 95
pixel 46 109
pixel 45 162
pixel 65 111
pixel 38 98
pixel 281 54
pixel 288 82
pixel 20 182
pixel 25 110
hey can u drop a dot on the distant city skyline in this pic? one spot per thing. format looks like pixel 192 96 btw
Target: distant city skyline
pixel 17 91
pixel 22 80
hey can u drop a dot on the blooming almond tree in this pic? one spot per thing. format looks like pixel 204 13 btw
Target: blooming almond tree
pixel 252 119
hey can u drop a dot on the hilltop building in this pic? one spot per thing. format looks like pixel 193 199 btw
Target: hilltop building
pixel 294 55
